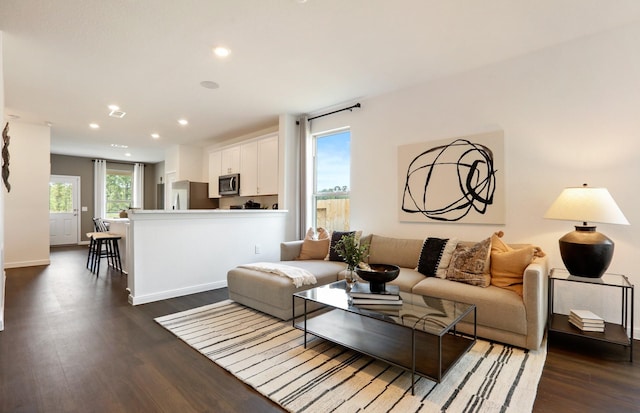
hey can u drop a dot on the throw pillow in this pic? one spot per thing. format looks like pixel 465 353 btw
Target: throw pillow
pixel 508 264
pixel 471 264
pixel 335 237
pixel 314 246
pixel 435 256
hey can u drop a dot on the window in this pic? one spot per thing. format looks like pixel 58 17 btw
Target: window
pixel 60 197
pixel 332 166
pixel 119 192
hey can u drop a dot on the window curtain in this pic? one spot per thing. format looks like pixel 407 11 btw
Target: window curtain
pixel 138 186
pixel 305 185
pixel 99 188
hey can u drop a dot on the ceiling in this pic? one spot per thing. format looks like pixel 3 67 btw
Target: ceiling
pixel 65 61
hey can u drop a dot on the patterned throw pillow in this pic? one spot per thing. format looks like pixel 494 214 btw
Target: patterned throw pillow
pixel 314 246
pixel 435 256
pixel 471 264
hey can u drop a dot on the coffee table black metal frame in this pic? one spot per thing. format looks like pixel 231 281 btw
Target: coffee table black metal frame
pixel 419 336
pixel 615 333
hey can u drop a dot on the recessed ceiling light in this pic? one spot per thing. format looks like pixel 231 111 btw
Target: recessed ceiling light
pixel 117 145
pixel 183 122
pixel 127 154
pixel 117 114
pixel 94 126
pixel 155 136
pixel 221 51
pixel 209 84
pixel 113 107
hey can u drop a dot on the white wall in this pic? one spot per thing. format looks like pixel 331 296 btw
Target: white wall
pixel 569 115
pixel 27 204
pixel 186 162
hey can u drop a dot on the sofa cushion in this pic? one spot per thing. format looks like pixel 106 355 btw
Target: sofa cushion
pixel 496 307
pixel 407 278
pixel 315 246
pixel 397 251
pixel 471 265
pixel 275 289
pixel 435 256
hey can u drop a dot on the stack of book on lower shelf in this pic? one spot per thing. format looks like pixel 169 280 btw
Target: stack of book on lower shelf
pixel 388 301
pixel 585 320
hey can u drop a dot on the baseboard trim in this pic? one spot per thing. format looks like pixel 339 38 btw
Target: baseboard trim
pixel 179 292
pixel 20 264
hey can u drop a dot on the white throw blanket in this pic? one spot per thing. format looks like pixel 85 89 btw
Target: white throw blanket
pixel 299 276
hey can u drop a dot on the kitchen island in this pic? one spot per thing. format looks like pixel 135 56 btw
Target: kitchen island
pixel 175 253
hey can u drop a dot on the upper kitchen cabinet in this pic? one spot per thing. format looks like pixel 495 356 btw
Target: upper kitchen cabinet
pixel 268 166
pixel 215 170
pixel 255 160
pixel 259 167
pixel 230 160
pixel 249 169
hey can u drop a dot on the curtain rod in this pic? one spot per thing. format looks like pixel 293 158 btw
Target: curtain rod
pixel 357 105
pixel 120 162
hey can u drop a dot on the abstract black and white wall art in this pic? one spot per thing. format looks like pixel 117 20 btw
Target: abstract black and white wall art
pixel 458 180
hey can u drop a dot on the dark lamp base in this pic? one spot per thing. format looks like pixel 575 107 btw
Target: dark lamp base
pixel 585 252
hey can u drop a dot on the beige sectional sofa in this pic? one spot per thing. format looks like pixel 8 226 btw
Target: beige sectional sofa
pixel 502 314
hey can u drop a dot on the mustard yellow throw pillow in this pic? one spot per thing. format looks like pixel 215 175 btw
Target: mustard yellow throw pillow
pixel 508 264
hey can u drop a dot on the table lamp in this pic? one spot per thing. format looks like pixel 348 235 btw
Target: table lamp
pixel 586 252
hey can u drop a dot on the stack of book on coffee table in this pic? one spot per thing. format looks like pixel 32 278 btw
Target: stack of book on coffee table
pixel 386 301
pixel 585 320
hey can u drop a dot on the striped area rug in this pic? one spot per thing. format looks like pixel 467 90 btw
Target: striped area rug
pixel 268 354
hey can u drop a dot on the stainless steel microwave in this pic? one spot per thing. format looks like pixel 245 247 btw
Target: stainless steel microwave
pixel 229 184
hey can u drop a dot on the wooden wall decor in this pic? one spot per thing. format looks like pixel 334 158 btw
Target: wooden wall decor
pixel 5 156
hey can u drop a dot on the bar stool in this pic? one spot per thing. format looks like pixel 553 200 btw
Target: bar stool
pixel 103 245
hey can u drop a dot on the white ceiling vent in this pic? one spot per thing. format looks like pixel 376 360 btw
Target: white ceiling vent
pixel 117 114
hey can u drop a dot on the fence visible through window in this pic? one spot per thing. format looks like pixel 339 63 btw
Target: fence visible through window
pixel 332 163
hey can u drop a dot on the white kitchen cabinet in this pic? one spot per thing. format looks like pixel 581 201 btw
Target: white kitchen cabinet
pixel 215 169
pixel 255 160
pixel 259 167
pixel 249 169
pixel 268 165
pixel 230 160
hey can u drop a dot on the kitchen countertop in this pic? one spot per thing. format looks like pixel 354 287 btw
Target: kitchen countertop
pixel 200 213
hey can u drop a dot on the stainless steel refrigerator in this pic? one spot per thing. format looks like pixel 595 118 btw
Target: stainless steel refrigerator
pixel 192 195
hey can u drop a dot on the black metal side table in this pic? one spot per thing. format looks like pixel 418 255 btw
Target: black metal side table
pixel 616 333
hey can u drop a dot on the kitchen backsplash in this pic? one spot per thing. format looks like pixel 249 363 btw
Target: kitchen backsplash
pixel 266 201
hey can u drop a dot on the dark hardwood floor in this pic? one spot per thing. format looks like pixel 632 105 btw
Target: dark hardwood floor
pixel 72 343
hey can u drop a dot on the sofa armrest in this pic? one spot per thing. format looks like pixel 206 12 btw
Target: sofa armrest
pixel 535 296
pixel 290 250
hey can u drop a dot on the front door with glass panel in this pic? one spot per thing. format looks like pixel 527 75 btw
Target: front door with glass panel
pixel 63 209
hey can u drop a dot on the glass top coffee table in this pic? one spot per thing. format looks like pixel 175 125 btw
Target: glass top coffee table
pixel 419 335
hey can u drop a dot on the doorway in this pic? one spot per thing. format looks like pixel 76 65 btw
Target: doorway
pixel 64 218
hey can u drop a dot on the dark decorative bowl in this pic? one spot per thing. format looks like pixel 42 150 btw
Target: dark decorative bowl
pixel 379 275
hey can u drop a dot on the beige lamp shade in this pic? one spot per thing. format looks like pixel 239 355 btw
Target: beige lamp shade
pixel 586 204
pixel 586 252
